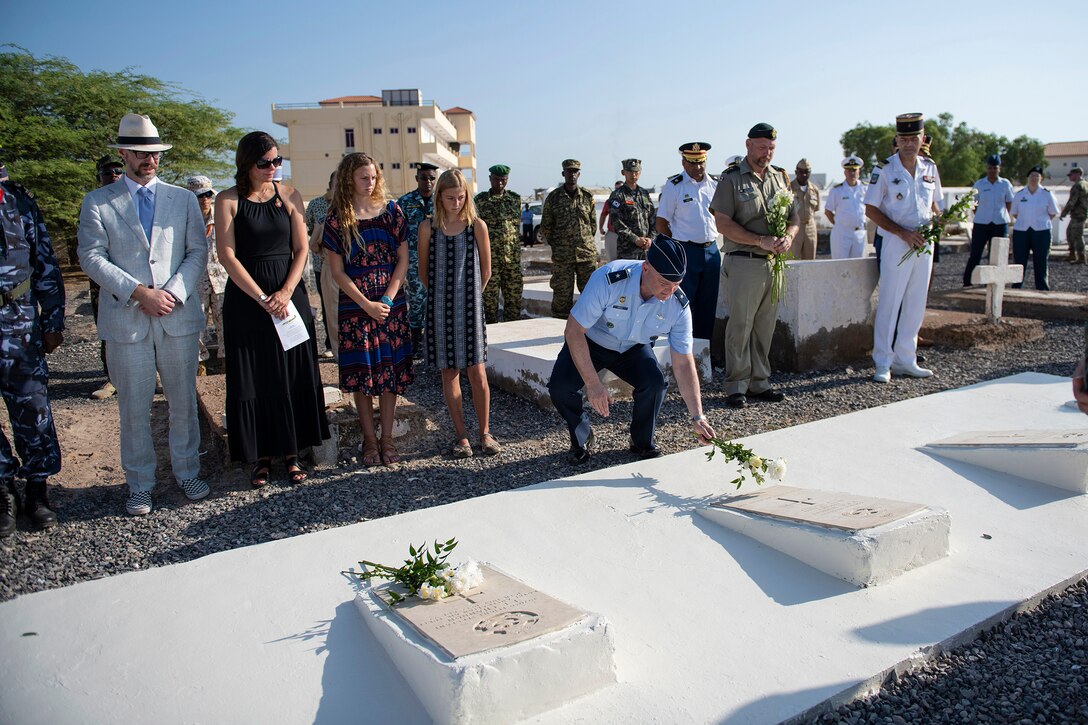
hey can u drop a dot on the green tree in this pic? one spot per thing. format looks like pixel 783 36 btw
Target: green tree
pixel 56 121
pixel 959 150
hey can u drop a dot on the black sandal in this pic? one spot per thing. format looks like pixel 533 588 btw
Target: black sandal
pixel 299 474
pixel 259 477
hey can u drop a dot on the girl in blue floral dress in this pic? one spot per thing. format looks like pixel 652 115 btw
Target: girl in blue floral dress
pixel 365 234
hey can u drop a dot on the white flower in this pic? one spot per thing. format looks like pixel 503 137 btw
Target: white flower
pixel 755 463
pixel 428 592
pixel 777 469
pixel 467 577
pixel 445 573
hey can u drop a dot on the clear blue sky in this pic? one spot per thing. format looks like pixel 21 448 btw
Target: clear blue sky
pixel 603 81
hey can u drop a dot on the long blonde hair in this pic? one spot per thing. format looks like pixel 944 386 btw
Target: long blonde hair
pixel 343 195
pixel 453 179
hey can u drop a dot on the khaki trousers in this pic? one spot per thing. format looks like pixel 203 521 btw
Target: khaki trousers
pixel 751 324
pixel 330 298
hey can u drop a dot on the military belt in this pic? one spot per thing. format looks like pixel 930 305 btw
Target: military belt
pixel 6 298
pixel 704 245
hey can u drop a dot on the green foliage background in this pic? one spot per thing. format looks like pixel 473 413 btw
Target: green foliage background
pixel 56 120
pixel 959 150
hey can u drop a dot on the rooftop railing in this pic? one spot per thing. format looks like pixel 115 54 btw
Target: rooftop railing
pixel 346 104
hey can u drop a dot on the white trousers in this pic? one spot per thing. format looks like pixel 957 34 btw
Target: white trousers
pixel 847 242
pixel 132 370
pixel 902 301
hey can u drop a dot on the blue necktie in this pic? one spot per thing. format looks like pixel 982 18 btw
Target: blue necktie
pixel 147 210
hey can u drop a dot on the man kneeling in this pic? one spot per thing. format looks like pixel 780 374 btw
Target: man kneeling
pixel 625 307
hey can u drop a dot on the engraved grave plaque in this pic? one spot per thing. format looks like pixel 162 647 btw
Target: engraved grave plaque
pixel 833 509
pixel 501 612
pixel 1034 438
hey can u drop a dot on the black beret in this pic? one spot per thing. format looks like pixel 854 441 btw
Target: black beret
pixel 763 130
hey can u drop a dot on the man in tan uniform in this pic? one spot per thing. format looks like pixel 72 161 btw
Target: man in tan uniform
pixel 740 212
pixel 808 202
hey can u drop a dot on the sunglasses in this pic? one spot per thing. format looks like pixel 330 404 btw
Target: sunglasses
pixel 205 194
pixel 141 155
pixel 265 163
pixel 111 171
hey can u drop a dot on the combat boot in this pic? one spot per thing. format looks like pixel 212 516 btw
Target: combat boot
pixel 9 508
pixel 37 505
pixel 418 353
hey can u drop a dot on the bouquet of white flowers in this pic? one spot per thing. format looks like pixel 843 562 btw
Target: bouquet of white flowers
pixel 426 574
pixel 778 218
pixel 754 464
pixel 932 231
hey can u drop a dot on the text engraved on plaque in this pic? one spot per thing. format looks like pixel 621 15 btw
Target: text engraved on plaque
pixel 1032 438
pixel 502 611
pixel 832 509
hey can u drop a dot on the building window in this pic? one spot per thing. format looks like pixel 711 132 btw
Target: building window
pixel 410 129
pixel 411 164
pixel 381 166
pixel 396 164
pixel 377 132
pixel 394 130
pixel 466 150
pixel 349 138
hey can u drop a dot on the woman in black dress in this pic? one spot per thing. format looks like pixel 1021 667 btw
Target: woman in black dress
pixel 275 404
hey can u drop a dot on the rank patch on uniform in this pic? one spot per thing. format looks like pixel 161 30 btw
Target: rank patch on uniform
pixel 618 276
pixel 616 204
pixel 874 177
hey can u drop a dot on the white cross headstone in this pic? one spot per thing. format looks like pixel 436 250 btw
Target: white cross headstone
pixel 996 275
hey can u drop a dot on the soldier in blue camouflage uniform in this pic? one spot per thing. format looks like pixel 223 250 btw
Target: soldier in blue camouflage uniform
pixel 417 205
pixel 632 214
pixel 500 209
pixel 29 281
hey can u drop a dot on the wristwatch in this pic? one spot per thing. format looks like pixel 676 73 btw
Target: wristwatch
pixel 262 297
pixel 697 418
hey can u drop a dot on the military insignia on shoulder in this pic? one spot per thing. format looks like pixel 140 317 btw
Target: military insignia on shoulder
pixel 681 298
pixel 874 177
pixel 731 169
pixel 618 276
pixel 778 168
pixel 715 177
pixel 676 179
pixel 615 203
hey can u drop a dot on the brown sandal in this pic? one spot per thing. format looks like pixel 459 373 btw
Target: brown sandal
pixel 489 445
pixel 461 450
pixel 371 457
pixel 390 456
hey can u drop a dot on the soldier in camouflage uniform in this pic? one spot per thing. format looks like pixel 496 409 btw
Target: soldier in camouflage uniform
pixel 1077 209
pixel 501 210
pixel 417 205
pixel 31 324
pixel 632 214
pixel 567 223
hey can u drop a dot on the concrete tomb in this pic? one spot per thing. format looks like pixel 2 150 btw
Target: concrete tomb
pixel 500 653
pixel 863 540
pixel 520 357
pixel 1057 458
pixel 825 316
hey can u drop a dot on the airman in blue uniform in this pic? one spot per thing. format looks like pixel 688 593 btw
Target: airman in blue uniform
pixel 625 307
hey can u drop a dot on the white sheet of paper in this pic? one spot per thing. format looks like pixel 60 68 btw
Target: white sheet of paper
pixel 292 330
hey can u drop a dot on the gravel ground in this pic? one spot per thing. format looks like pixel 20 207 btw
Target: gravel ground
pixel 1027 670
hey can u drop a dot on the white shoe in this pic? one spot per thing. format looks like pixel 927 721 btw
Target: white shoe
pixel 106 391
pixel 883 375
pixel 912 370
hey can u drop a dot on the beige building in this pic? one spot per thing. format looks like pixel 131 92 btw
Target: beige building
pixel 399 129
pixel 1062 156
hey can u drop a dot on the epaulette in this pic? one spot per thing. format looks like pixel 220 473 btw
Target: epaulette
pixel 619 275
pixel 716 178
pixel 731 168
pixel 778 168
pixel 681 298
pixel 836 186
pixel 676 179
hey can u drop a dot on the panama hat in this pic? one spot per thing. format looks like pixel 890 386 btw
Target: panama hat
pixel 137 133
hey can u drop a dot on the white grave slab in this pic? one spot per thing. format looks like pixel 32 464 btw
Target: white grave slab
pixel 1055 457
pixel 521 354
pixel 864 540
pixel 502 653
pixel 702 615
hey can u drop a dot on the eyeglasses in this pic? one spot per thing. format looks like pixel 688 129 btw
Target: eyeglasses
pixel 205 194
pixel 141 155
pixel 265 163
pixel 111 171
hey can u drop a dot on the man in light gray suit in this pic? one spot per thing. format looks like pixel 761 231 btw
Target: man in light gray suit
pixel 142 240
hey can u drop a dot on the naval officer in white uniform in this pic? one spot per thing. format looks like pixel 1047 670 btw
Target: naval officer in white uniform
pixel 845 209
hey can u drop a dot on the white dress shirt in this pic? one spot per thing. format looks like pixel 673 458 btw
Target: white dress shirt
pixel 134 188
pixel 1033 211
pixel 906 200
pixel 685 205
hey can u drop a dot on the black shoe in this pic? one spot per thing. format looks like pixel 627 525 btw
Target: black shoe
pixel 736 400
pixel 579 454
pixel 646 453
pixel 37 505
pixel 769 395
pixel 9 509
pixel 418 353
